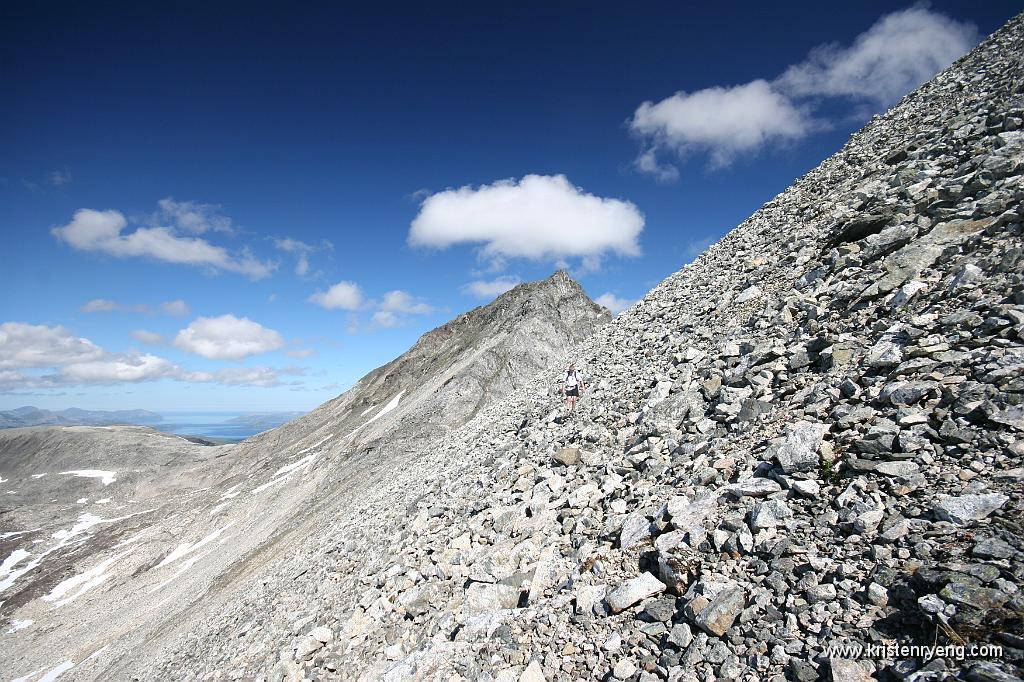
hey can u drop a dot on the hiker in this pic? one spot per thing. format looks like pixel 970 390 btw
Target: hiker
pixel 573 383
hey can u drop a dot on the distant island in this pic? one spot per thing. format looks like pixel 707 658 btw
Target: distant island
pixel 73 416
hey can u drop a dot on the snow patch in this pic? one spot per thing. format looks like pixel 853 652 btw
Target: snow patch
pixel 105 500
pixel 392 404
pixel 4 536
pixel 186 549
pixel 83 581
pixel 7 573
pixel 285 472
pixel 233 491
pixel 19 625
pixel 106 477
pixel 38 475
pixel 50 676
pixel 82 500
pixel 368 410
pixel 220 506
pixel 184 567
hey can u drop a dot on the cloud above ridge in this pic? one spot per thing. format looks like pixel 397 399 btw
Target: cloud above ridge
pixel 539 217
pixel 899 52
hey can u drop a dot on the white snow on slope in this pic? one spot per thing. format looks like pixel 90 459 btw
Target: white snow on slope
pixel 392 404
pixel 83 581
pixel 184 567
pixel 7 573
pixel 186 549
pixel 4 536
pixel 220 506
pixel 285 472
pixel 368 410
pixel 50 676
pixel 19 625
pixel 85 522
pixel 107 477
pixel 232 492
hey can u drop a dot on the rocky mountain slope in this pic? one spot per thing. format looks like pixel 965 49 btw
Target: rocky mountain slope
pixel 806 443
pixel 117 541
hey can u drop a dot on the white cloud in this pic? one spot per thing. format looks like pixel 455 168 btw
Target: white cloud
pixel 192 216
pixel 342 296
pixel 176 307
pixel 126 367
pixel 38 345
pixel 301 352
pixel 724 122
pixel 77 361
pixel 147 337
pixel 538 217
pixel 302 251
pixel 103 305
pixel 387 319
pixel 899 52
pixel 99 305
pixel 243 376
pixel 227 338
pixel 101 232
pixel 490 288
pixel 401 302
pixel 647 162
pixel 613 302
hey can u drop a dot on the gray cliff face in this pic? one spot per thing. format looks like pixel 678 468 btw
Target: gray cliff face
pixel 810 437
pixel 172 530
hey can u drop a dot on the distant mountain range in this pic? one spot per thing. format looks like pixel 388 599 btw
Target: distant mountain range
pixel 73 416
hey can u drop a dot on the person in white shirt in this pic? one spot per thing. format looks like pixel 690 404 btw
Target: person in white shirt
pixel 573 384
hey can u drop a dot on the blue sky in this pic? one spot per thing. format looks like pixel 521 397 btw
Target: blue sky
pixel 249 206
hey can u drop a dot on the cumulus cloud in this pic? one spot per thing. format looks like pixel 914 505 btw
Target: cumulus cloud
pixel 192 216
pixel 99 305
pixel 538 217
pixel 302 251
pixel 67 360
pixel 102 232
pixel 896 54
pixel 482 288
pixel 613 303
pixel 176 307
pixel 723 122
pixel 402 302
pixel 122 368
pixel 227 338
pixel 899 52
pixel 147 337
pixel 39 345
pixel 342 296
pixel 386 319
